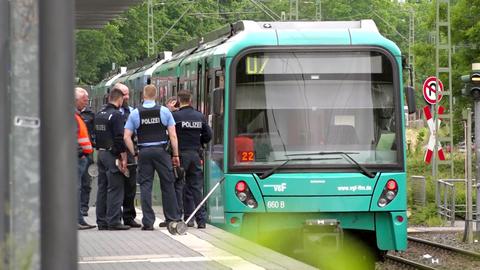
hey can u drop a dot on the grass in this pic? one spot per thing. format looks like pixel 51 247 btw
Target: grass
pixel 425 216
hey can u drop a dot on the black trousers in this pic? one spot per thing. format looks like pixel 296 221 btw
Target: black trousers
pixel 110 190
pixel 130 189
pixel 193 190
pixel 151 159
pixel 86 187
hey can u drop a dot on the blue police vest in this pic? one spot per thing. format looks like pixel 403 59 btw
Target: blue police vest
pixel 151 128
pixel 189 124
pixel 103 132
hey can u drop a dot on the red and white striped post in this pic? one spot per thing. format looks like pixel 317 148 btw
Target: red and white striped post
pixel 433 134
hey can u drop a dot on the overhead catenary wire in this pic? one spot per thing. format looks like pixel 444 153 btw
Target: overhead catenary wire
pixel 175 23
pixel 264 10
pixel 389 25
pixel 222 13
pixel 269 9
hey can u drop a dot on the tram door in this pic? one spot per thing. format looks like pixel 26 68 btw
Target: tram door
pixel 215 150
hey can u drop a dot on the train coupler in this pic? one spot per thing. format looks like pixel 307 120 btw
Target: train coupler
pixel 322 234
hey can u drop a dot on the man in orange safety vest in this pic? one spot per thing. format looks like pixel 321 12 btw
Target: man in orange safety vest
pixel 84 148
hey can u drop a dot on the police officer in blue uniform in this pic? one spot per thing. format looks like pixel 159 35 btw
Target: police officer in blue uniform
pixel 193 132
pixel 151 123
pixel 112 163
pixel 130 183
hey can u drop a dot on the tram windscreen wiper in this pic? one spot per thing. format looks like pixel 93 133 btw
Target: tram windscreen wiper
pixel 285 161
pixel 345 155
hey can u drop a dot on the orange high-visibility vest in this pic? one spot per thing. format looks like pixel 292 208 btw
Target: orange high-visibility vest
pixel 82 136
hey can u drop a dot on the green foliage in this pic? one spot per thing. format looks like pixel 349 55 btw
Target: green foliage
pixel 426 216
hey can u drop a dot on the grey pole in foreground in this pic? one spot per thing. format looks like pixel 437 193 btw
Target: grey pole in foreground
pixel 23 249
pixel 59 163
pixel 477 153
pixel 4 125
pixel 468 160
pixel 476 97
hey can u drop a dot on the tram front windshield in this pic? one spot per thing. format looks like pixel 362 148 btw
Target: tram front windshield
pixel 293 104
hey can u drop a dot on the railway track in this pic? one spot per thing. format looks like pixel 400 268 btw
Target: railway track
pixel 467 253
pixel 441 256
pixel 409 264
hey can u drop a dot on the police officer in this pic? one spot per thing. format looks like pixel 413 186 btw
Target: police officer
pixel 172 104
pixel 151 123
pixel 112 163
pixel 130 183
pixel 193 132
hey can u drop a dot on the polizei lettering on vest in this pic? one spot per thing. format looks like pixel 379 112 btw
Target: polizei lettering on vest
pixel 101 127
pixel 191 124
pixel 149 121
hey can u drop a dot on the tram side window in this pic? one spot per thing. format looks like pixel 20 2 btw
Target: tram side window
pixel 217 128
pixel 208 90
pixel 99 102
pixel 193 90
pixel 139 98
pixel 168 89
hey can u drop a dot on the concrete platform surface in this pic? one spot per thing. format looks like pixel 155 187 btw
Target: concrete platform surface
pixel 210 248
pixel 458 226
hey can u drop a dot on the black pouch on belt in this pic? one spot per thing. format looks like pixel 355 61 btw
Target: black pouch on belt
pixel 179 173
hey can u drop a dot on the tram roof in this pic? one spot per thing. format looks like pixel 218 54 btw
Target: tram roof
pixel 234 37
pixel 96 13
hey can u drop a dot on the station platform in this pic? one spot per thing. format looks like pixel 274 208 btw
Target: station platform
pixel 458 227
pixel 210 248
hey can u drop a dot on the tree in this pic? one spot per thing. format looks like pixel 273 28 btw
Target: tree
pixel 95 50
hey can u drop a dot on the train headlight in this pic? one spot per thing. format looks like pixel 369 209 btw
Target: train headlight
pixel 389 193
pixel 251 203
pixel 244 194
pixel 382 202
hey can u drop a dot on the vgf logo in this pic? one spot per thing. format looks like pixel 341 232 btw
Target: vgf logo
pixel 278 188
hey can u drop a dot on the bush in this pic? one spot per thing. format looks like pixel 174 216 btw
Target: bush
pixel 426 216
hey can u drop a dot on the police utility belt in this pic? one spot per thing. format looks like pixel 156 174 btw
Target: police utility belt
pixel 163 146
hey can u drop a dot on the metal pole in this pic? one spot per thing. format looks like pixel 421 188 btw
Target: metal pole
pixel 468 161
pixel 318 10
pixel 24 137
pixel 290 11
pixel 151 36
pixel 4 126
pixel 59 162
pixel 477 153
pixel 296 10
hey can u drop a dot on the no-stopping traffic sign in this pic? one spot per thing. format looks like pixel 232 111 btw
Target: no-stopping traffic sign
pixel 430 90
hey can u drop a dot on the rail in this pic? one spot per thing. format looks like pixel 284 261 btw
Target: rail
pixel 460 251
pixel 408 263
